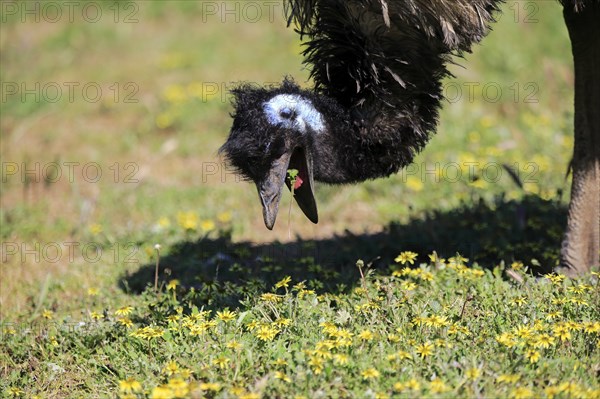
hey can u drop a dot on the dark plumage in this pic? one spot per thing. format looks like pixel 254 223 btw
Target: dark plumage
pixel 377 67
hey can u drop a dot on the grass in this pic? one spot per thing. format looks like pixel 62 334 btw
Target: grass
pixel 78 250
pixel 434 331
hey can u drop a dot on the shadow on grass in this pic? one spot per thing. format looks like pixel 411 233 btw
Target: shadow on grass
pixel 223 272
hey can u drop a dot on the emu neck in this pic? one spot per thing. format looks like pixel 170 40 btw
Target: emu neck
pixel 365 143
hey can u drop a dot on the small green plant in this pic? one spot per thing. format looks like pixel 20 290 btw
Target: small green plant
pixel 292 175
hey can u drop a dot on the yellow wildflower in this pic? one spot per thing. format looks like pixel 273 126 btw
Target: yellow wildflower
pixel 579 301
pixel 279 362
pixel 508 378
pixel 187 220
pixel 221 362
pixel 284 282
pixel 543 341
pixel 457 260
pixel 9 331
pixel 399 387
pixel 366 335
pixel 413 384
pixel 96 316
pixel 455 329
pixel 393 338
pixel 185 373
pixel 283 321
pixel 517 265
pixel 562 332
pixel 519 301
pixel 303 293
pixel 226 315
pixel 163 222
pixel 179 387
pixel 210 386
pixel 282 376
pixel 532 355
pixel 174 93
pixel 553 315
pixel 171 368
pixel 555 279
pixel 48 314
pixel 591 327
pixel 124 311
pixel 521 393
pixel 559 301
pixel 164 120
pixel 15 392
pixel 340 359
pixel 316 364
pixel 224 217
pixel 370 373
pixel 269 297
pixel 125 322
pixel 406 257
pixel 434 258
pixel 207 225
pixel 580 288
pixel 425 349
pixel 414 183
pixel 438 386
pixel 551 391
pixel 436 321
pixel 266 333
pixel 162 392
pixel 252 325
pixel 571 389
pixel 233 344
pixel 95 228
pixel 523 332
pixel 473 373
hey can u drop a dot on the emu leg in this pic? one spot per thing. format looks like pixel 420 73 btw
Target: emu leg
pixel 581 246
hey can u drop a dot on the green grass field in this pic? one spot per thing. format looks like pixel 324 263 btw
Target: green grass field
pixel 112 115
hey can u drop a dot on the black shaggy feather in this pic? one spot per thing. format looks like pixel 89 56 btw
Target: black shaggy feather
pixel 377 67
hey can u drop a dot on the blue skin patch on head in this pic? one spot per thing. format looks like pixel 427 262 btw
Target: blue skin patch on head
pixel 294 112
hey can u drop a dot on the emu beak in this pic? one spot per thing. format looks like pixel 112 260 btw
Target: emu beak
pixel 269 190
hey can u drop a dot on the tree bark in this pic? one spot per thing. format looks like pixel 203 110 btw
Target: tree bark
pixel 581 246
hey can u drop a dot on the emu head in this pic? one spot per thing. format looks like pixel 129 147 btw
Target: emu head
pixel 273 132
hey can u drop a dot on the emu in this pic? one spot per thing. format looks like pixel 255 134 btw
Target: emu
pixel 377 67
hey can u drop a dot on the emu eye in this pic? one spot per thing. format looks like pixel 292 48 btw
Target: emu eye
pixel 286 113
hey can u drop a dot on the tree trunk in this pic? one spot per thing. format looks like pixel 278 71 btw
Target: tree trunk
pixel 581 246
